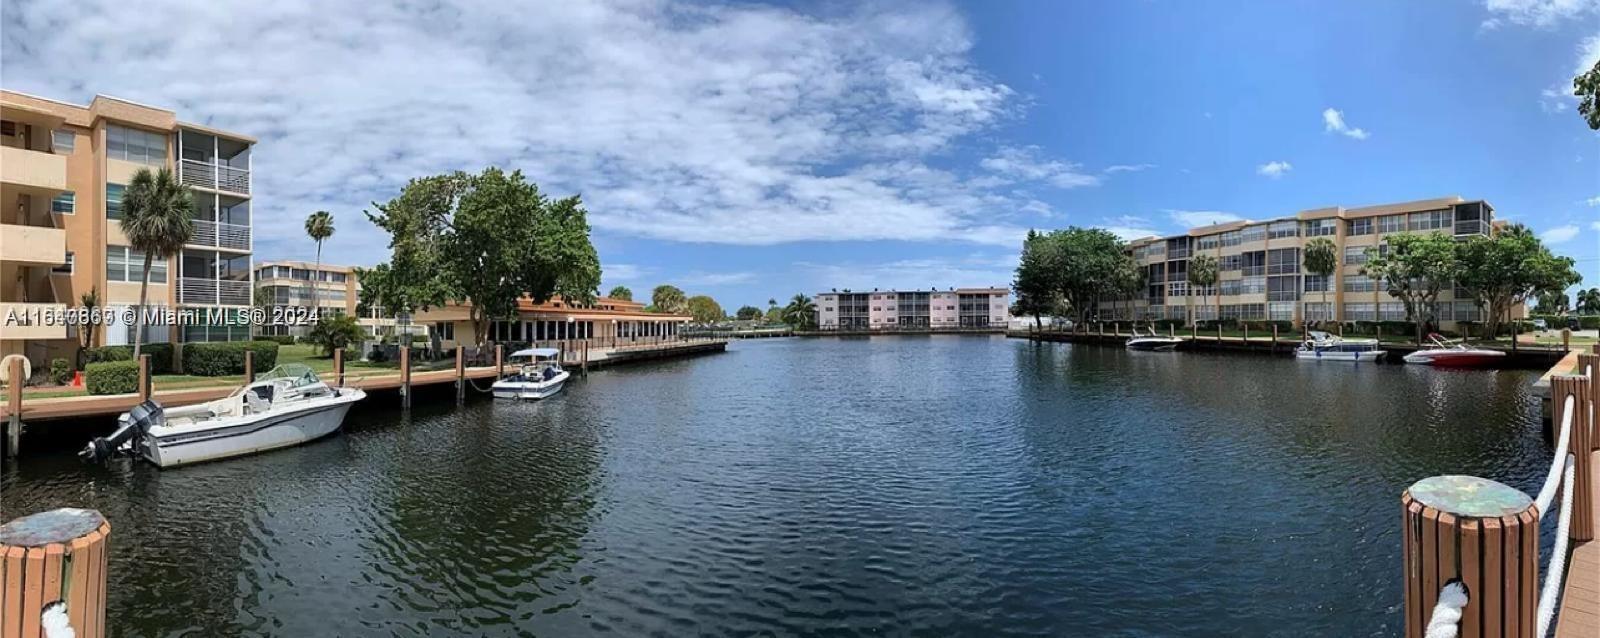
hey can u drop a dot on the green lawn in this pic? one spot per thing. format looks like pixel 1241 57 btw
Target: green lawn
pixel 298 353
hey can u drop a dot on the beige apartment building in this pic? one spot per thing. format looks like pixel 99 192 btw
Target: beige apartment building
pixel 913 309
pixel 1261 274
pixel 63 170
pixel 291 284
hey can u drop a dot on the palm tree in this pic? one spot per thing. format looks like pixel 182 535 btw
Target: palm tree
pixel 319 226
pixel 1202 274
pixel 1589 301
pixel 800 313
pixel 91 299
pixel 1321 259
pixel 156 212
pixel 621 293
pixel 669 299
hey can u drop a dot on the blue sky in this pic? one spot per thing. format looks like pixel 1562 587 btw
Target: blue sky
pixel 750 151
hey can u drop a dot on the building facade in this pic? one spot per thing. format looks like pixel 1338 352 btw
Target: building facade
pixel 63 171
pixel 913 309
pixel 293 284
pixel 607 321
pixel 1261 273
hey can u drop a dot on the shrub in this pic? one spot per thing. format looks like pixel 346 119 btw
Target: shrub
pixel 282 340
pixel 333 332
pixel 160 355
pixel 225 358
pixel 60 371
pixel 112 377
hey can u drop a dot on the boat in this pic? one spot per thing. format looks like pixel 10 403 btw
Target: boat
pixel 1446 352
pixel 1152 341
pixel 539 375
pixel 1321 346
pixel 286 406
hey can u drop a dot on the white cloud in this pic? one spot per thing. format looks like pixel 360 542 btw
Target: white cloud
pixel 722 123
pixel 623 272
pixel 1333 122
pixel 1594 226
pixel 1539 13
pixel 1128 227
pixel 1274 169
pixel 1025 164
pixel 1128 168
pixel 714 278
pixel 1194 218
pixel 1559 234
pixel 1593 201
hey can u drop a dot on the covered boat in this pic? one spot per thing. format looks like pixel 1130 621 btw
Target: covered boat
pixel 538 376
pixel 286 406
pixel 1322 346
pixel 1445 352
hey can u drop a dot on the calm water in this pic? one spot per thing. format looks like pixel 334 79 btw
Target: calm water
pixel 903 486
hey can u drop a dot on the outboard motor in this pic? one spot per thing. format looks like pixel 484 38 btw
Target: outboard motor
pixel 133 426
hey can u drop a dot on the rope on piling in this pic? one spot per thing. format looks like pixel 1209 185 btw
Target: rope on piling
pixel 1446 621
pixel 1547 494
pixel 1558 557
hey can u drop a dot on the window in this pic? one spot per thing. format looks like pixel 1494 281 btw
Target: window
pixel 1252 285
pixel 1359 227
pixel 62 142
pixel 1318 312
pixel 446 330
pixel 1283 288
pixel 123 264
pixel 1231 238
pixel 1283 261
pixel 1391 311
pixel 1322 228
pixel 66 268
pixel 114 200
pixel 134 145
pixel 1318 283
pixel 1230 263
pixel 1283 229
pixel 1430 220
pixel 1253 233
pixel 1359 283
pixel 1360 312
pixel 1391 223
pixel 1280 311
pixel 1355 255
pixel 1210 242
pixel 66 203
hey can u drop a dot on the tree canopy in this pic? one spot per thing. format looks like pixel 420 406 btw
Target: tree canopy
pixel 484 239
pixel 1076 265
pixel 1414 269
pixel 801 313
pixel 1507 269
pixel 1586 87
pixel 621 292
pixel 748 313
pixel 156 211
pixel 669 299
pixel 1589 302
pixel 1035 282
pixel 704 309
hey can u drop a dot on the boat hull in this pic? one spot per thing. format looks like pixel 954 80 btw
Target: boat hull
pixel 269 432
pixel 1366 356
pixel 1454 359
pixel 529 391
pixel 1153 344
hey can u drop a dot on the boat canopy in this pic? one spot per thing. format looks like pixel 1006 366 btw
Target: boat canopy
pixel 299 374
pixel 536 353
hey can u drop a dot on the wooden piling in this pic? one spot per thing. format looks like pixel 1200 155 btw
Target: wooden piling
pixel 338 366
pixel 59 555
pixel 461 374
pixel 14 408
pixel 1274 338
pixel 144 377
pixel 1579 443
pixel 405 376
pixel 1481 533
pixel 249 366
pixel 1589 366
pixel 1566 339
pixel 1219 333
pixel 499 362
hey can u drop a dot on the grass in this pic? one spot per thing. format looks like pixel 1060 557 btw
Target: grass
pixel 298 353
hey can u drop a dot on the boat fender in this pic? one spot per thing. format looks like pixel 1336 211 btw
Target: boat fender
pixel 137 423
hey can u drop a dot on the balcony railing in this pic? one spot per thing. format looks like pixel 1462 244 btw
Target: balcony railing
pixel 227 292
pixel 215 176
pixel 1472 227
pixel 230 236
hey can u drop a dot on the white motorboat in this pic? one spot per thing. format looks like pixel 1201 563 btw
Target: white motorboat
pixel 1444 352
pixel 539 375
pixel 1321 346
pixel 286 406
pixel 1152 341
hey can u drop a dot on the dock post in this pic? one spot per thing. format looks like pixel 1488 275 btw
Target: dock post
pixel 50 557
pixel 1274 338
pixel 1172 330
pixel 338 366
pixel 405 376
pixel 499 365
pixel 14 409
pixel 461 375
pixel 249 366
pixel 144 376
pixel 1246 326
pixel 1577 387
pixel 586 358
pixel 1341 329
pixel 1589 367
pixel 1566 339
pixel 1194 331
pixel 1480 533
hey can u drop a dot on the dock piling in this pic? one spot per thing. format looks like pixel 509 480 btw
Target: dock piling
pixel 249 366
pixel 1478 532
pixel 14 409
pixel 499 362
pixel 144 375
pixel 338 366
pixel 461 375
pixel 55 556
pixel 1274 337
pixel 405 377
pixel 1580 443
pixel 1589 366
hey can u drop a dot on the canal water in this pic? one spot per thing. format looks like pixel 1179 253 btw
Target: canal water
pixel 941 486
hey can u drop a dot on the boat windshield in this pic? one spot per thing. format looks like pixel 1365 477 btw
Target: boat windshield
pixel 298 374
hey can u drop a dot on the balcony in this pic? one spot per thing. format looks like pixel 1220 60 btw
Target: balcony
pixel 28 324
pixel 213 234
pixel 213 292
pixel 33 169
pixel 33 245
pixel 214 176
pixel 1467 227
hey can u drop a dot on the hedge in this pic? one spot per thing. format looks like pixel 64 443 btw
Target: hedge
pixel 112 377
pixel 282 340
pixel 1397 328
pixel 1557 322
pixel 160 355
pixel 226 358
pixel 60 371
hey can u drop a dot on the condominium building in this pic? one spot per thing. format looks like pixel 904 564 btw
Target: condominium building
pixel 1261 274
pixel 913 309
pixel 63 171
pixel 293 284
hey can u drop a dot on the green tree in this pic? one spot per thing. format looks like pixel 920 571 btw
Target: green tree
pixel 1202 274
pixel 1414 270
pixel 1553 302
pixel 801 313
pixel 485 240
pixel 704 309
pixel 319 226
pixel 156 212
pixel 1586 87
pixel 621 292
pixel 669 299
pixel 748 313
pixel 1321 259
pixel 86 334
pixel 336 331
pixel 1035 284
pixel 1090 265
pixel 1507 269
pixel 1589 301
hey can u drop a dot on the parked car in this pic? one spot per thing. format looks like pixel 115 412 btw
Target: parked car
pixel 1540 324
pixel 1572 323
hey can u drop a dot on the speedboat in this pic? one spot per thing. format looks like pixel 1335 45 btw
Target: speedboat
pixel 539 376
pixel 286 406
pixel 1152 341
pixel 1445 352
pixel 1321 346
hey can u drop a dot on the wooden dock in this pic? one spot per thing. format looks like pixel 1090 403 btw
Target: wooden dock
pixel 1537 357
pixel 1580 599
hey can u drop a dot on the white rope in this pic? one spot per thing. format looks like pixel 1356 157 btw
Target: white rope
pixel 1558 557
pixel 1446 621
pixel 1553 480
